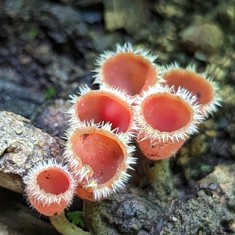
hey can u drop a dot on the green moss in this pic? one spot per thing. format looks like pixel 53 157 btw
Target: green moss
pixel 50 93
pixel 76 217
pixel 34 32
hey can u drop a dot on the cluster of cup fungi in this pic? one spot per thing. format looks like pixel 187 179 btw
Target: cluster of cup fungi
pixel 138 103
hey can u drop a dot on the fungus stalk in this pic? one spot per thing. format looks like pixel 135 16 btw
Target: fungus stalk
pixel 156 174
pixel 63 226
pixel 165 120
pixel 162 179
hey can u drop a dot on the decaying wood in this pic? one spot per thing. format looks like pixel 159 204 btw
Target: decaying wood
pixel 21 146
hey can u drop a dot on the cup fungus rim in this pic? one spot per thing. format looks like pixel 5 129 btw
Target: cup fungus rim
pixel 33 189
pixel 147 55
pixel 120 178
pixel 211 106
pixel 145 130
pixel 114 93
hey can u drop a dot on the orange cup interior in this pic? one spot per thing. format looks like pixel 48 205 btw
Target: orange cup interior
pixel 53 180
pixel 129 72
pixel 102 107
pixel 100 151
pixel 193 82
pixel 166 112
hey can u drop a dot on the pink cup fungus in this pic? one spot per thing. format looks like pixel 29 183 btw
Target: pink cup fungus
pixel 101 106
pixel 128 69
pixel 106 153
pixel 198 84
pixel 166 120
pixel 49 187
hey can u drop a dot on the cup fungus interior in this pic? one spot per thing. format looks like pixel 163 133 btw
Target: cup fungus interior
pixel 104 108
pixel 100 151
pixel 129 72
pixel 166 113
pixel 193 82
pixel 53 180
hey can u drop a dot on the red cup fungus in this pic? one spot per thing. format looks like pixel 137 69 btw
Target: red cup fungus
pixel 128 69
pixel 106 105
pixel 107 153
pixel 49 187
pixel 131 101
pixel 165 121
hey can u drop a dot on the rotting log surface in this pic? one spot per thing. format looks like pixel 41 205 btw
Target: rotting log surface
pixel 21 146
